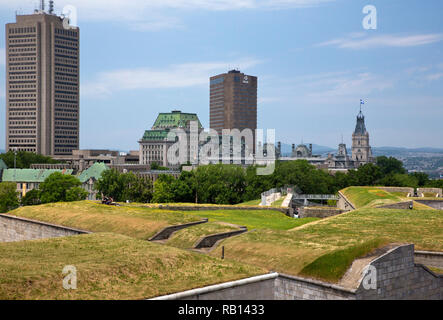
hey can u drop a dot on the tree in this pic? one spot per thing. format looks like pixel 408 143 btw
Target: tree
pixel 422 178
pixel 124 186
pixel 31 198
pixel 24 159
pixel 390 165
pixel 76 194
pixel 163 189
pixel 55 187
pixel 8 196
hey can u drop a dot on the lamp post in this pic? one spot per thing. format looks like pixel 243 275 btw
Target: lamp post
pixel 15 162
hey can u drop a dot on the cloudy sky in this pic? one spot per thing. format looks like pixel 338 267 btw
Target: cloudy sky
pixel 313 58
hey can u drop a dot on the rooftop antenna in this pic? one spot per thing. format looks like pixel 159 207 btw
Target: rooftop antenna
pixel 342 138
pixel 51 6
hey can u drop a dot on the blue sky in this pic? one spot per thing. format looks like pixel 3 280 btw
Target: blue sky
pixel 313 58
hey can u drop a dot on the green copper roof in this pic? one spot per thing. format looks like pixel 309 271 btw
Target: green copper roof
pixel 95 171
pixel 3 165
pixel 175 119
pixel 167 121
pixel 155 135
pixel 30 175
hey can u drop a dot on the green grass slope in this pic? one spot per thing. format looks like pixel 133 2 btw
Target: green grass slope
pixel 109 266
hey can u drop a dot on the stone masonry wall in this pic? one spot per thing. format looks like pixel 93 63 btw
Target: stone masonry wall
pixel 431 259
pixel 297 288
pixel 436 204
pixel 343 203
pixel 18 229
pixel 397 189
pixel 319 213
pixel 399 278
pixel 398 205
pixel 437 191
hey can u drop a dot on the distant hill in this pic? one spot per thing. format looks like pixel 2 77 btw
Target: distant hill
pixel 399 151
pixel 377 151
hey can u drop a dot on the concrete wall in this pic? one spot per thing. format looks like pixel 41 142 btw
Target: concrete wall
pixel 254 288
pixel 306 212
pixel 430 259
pixel 398 189
pixel 165 233
pixel 437 191
pixel 18 229
pixel 211 240
pixel 343 203
pixel 436 204
pixel 398 205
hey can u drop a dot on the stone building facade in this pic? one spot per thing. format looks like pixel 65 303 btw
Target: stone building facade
pixel 155 143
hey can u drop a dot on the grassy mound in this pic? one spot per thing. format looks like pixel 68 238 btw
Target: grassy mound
pixel 109 266
pixel 291 250
pixel 186 238
pixel 253 219
pixel 141 223
pixel 332 266
pixel 370 196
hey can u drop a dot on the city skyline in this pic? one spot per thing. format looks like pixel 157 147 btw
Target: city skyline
pixel 314 63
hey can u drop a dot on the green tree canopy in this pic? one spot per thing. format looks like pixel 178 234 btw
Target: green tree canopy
pixel 25 159
pixel 8 196
pixel 55 187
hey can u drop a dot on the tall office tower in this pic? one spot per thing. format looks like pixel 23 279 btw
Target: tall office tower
pixel 233 101
pixel 42 84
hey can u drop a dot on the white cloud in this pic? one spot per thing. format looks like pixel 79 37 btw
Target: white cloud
pixel 362 41
pixel 174 76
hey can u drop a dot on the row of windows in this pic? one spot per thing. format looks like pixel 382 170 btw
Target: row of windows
pixel 20 58
pixel 66 32
pixel 66 44
pixel 22 50
pixel 22 77
pixel 22 104
pixel 12 132
pixel 24 40
pixel 21 67
pixel 25 123
pixel 22 95
pixel 22 30
pixel 23 86
pixel 71 53
pixel 71 78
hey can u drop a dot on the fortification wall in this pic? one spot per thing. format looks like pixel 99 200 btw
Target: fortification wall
pixel 397 189
pixel 343 203
pixel 313 212
pixel 436 204
pixel 437 191
pixel 14 228
pixel 397 277
pixel 398 205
